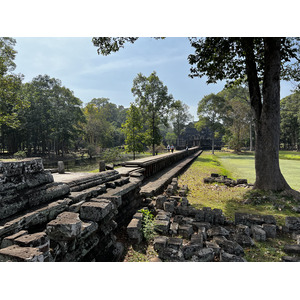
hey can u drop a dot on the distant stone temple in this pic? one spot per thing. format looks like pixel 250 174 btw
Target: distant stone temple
pixel 191 137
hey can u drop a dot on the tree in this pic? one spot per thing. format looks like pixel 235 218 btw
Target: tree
pixel 239 118
pixel 154 101
pixel 11 101
pixel 290 121
pixel 52 120
pixel 212 112
pixel 133 130
pixel 253 60
pixel 179 116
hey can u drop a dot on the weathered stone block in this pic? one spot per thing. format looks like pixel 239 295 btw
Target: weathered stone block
pixel 160 243
pixel 60 167
pixel 292 223
pixel 134 230
pixel 160 200
pixel 95 211
pixel 208 215
pixel 9 240
pixel 214 246
pixel 292 249
pixel 197 238
pixel 32 240
pixel 204 255
pixel 162 226
pixel 174 228
pixel 185 231
pixel 171 255
pixel 174 243
pixel 231 247
pixel 241 181
pixel 270 230
pixel 199 216
pixel 21 254
pixel 227 257
pixel 243 239
pixel 291 258
pixel 66 226
pixel 169 206
pixel 258 233
pixel 243 229
pixel 217 231
pixel 190 250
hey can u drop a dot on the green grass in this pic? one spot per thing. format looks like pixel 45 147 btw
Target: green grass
pixel 231 200
pixel 242 166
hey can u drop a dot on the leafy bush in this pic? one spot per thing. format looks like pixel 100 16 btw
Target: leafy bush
pixel 147 224
pixel 112 155
pixel 20 154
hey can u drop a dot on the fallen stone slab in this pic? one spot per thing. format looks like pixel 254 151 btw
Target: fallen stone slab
pixel 217 231
pixel 174 243
pixel 185 231
pixel 292 223
pixel 96 210
pixel 134 230
pixel 258 233
pixel 229 246
pixel 9 240
pixel 204 255
pixel 32 240
pixel 291 258
pixel 292 249
pixel 190 250
pixel 33 217
pixel 227 257
pixel 21 254
pixel 160 243
pixel 67 226
pixel 270 230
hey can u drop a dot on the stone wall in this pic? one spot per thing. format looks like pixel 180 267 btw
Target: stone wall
pixel 73 220
pixel 43 220
pixel 158 163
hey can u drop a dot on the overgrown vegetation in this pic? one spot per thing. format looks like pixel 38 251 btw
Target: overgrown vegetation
pixel 147 225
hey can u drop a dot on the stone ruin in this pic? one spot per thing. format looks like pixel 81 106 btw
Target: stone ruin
pixel 184 233
pixel 216 178
pixel 43 220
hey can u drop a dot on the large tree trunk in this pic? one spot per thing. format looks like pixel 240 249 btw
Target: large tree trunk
pixel 267 115
pixel 268 174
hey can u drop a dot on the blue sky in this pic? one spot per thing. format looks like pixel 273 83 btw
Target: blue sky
pixel 76 63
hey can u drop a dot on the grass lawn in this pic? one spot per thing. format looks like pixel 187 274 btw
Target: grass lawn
pixel 242 166
pixel 232 200
pixel 236 199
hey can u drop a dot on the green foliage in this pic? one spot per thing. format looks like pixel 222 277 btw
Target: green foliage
pixel 179 116
pixel 133 130
pixel 112 155
pixel 147 224
pixel 171 138
pixel 20 154
pixel 11 100
pixel 154 101
pixel 212 112
pixel 290 121
pixel 239 116
pixel 103 123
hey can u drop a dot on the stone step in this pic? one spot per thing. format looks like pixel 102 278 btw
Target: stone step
pixel 32 217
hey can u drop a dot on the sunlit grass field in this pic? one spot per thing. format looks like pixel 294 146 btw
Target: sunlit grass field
pixel 231 200
pixel 242 166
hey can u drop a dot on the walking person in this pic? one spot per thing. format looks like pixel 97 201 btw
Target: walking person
pixel 168 147
pixel 172 148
